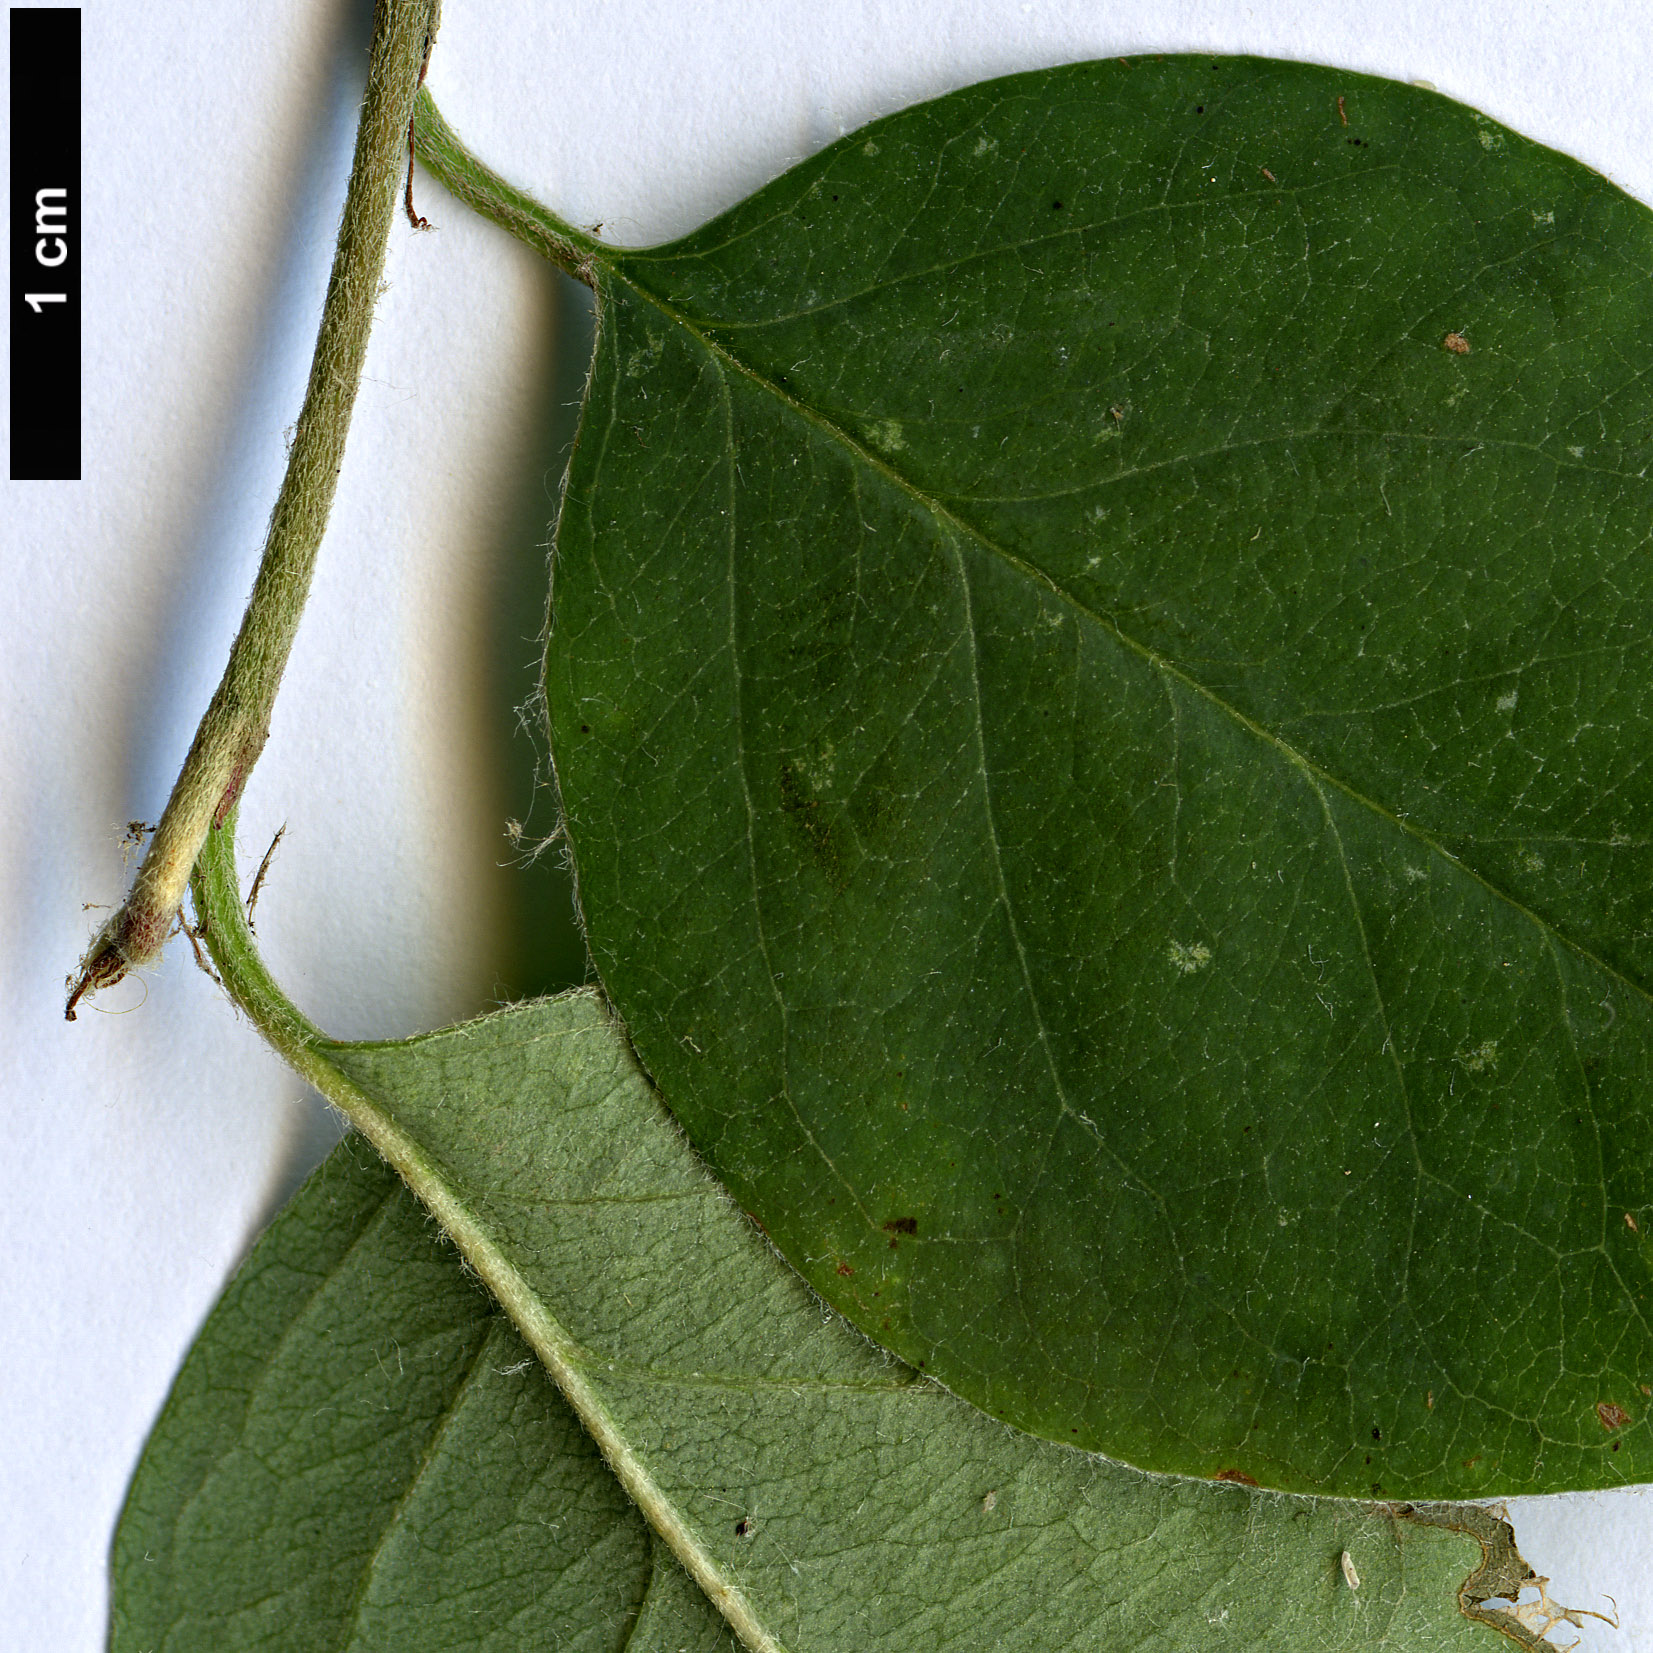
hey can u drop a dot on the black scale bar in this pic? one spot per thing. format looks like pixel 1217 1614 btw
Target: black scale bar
pixel 45 244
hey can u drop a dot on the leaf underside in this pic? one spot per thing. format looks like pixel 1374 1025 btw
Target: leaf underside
pixel 355 1456
pixel 1099 687
pixel 360 1452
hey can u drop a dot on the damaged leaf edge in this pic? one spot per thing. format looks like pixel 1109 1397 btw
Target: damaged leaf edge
pixel 1502 1573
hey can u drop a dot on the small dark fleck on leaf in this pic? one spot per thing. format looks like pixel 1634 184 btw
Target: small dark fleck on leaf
pixel 743 1528
pixel 901 1225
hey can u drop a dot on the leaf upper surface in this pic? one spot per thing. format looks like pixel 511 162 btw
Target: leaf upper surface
pixel 1099 686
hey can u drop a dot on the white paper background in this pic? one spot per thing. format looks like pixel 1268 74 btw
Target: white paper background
pixel 142 1151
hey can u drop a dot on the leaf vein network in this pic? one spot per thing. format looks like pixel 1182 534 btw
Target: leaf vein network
pixel 962 526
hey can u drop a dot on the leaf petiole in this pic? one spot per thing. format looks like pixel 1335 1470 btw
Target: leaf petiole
pixel 491 197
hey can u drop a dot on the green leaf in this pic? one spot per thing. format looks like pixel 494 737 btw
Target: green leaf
pixel 1100 691
pixel 825 1496
pixel 360 1452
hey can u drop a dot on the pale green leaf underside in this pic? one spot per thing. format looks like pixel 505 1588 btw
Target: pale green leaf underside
pixel 1100 684
pixel 825 1495
pixel 360 1453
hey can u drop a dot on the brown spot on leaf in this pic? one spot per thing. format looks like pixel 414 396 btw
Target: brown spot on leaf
pixel 1456 343
pixel 1612 1417
pixel 901 1225
pixel 844 1268
pixel 1267 174
pixel 1630 1223
pixel 1238 1475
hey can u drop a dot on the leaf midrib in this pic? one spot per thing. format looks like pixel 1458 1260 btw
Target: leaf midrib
pixel 617 271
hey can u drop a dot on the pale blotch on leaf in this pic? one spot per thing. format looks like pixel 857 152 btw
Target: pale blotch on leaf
pixel 1350 1576
pixel 1481 1059
pixel 887 435
pixel 818 769
pixel 645 359
pixel 1506 701
pixel 1189 956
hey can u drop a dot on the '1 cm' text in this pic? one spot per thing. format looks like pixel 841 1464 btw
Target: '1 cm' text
pixel 51 248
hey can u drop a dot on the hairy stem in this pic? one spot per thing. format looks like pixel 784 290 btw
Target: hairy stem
pixel 486 193
pixel 232 733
